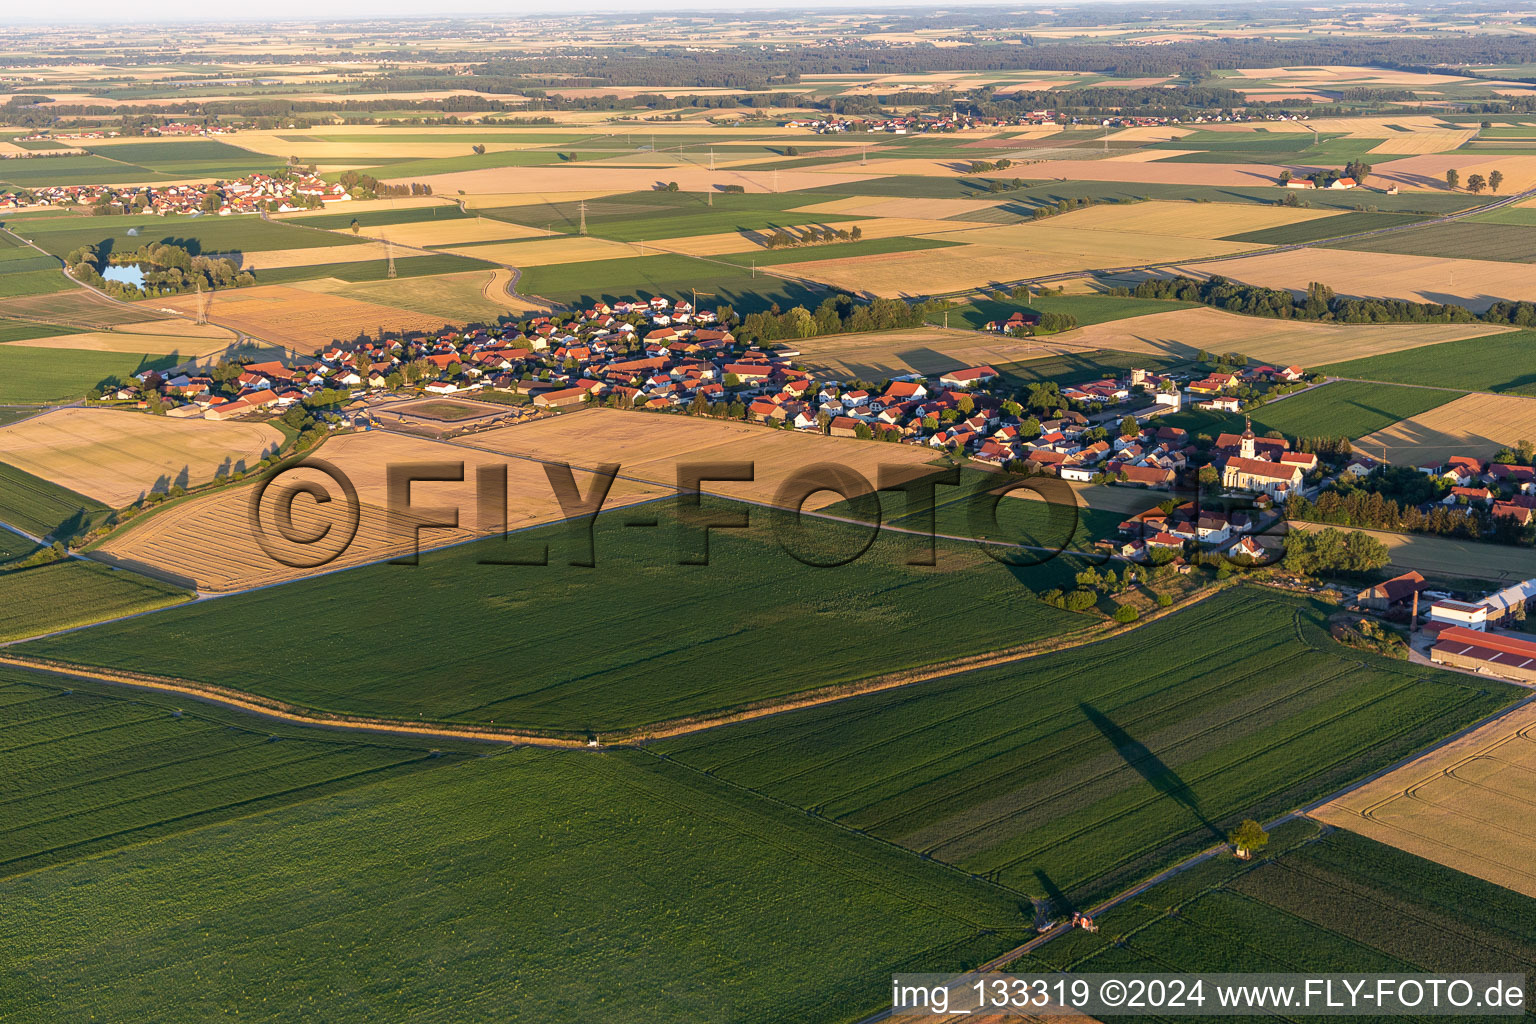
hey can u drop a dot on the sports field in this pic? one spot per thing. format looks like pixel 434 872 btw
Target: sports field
pixel 1314 903
pixel 1084 770
pixel 718 624
pixel 116 457
pixel 1476 425
pixel 788 918
pixel 1463 806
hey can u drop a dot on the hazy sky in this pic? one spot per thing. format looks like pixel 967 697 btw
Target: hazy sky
pixel 199 11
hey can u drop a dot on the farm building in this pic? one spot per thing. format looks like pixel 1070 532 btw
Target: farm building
pixel 1394 591
pixel 560 399
pixel 1499 655
pixel 1498 607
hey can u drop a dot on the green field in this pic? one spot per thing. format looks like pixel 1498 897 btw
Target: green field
pixel 641 216
pixel 627 632
pixel 1088 309
pixel 190 158
pixel 1323 227
pixel 1465 239
pixel 38 281
pixel 1341 409
pixel 14 548
pixel 645 276
pixel 90 768
pixel 374 270
pixel 1524 217
pixel 1085 770
pixel 45 509
pixel 380 218
pixel 47 375
pixel 490 889
pixel 206 234
pixel 1494 363
pixel 1330 902
pixel 73 170
pixel 62 595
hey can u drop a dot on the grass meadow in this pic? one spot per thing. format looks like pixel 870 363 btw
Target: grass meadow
pixel 1464 239
pixel 488 889
pixel 43 509
pixel 1082 771
pixel 638 639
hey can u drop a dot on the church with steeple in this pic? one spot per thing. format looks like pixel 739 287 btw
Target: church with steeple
pixel 1263 465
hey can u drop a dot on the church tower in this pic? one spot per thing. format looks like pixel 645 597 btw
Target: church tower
pixel 1248 449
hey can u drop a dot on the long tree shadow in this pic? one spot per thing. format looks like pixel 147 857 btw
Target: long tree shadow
pixel 1055 901
pixel 1150 767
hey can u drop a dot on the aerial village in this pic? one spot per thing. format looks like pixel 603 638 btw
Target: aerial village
pixel 254 193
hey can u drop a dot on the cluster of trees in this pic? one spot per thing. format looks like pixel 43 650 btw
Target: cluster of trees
pixel 1476 183
pixel 983 166
pixel 1374 510
pixel 1326 447
pixel 168 270
pixel 1310 552
pixel 837 314
pixel 1319 303
pixel 782 239
pixel 366 186
pixel 1356 169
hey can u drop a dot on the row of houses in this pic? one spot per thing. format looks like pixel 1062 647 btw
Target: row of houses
pixel 252 194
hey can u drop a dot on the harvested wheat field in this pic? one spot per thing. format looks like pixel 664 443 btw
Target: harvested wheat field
pixel 140 344
pixel 1432 141
pixel 926 209
pixel 117 456
pixel 580 177
pixel 303 320
pixel 499 200
pixel 1183 333
pixel 79 308
pixel 1473 425
pixel 1185 220
pixel 1428 172
pixel 541 252
pixel 1154 172
pixel 1009 253
pixel 356 206
pixel 650 447
pixel 929 350
pixel 1476 284
pixel 458 231
pixel 1467 805
pixel 212 544
pixel 276 259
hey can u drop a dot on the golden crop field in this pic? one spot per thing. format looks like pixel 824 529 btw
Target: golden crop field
pixel 586 178
pixel 1429 171
pixel 118 341
pixel 1184 332
pixel 211 542
pixel 548 251
pixel 303 320
pixel 1467 805
pixel 455 231
pixel 1430 141
pixel 1473 425
pixel 746 241
pixel 651 447
pixel 1185 220
pixel 116 456
pixel 878 206
pixel 311 256
pixel 1476 284
pixel 926 350
pixel 1007 253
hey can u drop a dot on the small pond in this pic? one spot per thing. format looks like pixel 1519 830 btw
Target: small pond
pixel 126 273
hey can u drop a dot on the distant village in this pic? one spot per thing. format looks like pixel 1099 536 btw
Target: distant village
pixel 254 193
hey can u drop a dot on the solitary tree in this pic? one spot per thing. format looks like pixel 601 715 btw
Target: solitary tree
pixel 1248 837
pixel 1129 426
pixel 1285 177
pixel 1476 183
pixel 356 227
pixel 1453 179
pixel 1495 179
